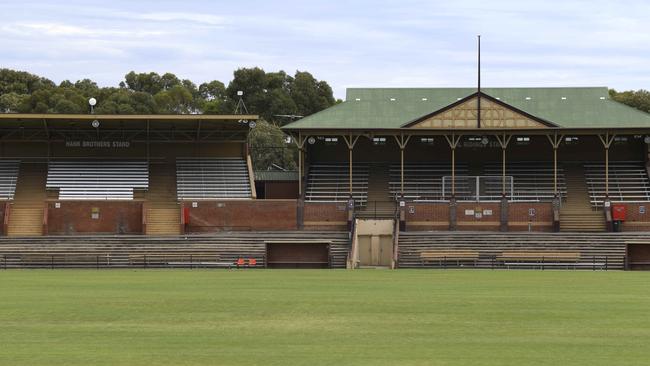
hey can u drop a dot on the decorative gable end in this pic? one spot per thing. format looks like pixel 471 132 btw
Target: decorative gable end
pixel 495 114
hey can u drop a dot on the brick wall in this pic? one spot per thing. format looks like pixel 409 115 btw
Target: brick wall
pixel 110 217
pixel 426 216
pixel 3 205
pixel 325 216
pixel 213 216
pixel 519 216
pixel 478 216
pixel 635 220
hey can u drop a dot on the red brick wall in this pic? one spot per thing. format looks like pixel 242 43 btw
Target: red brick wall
pixel 484 222
pixel 281 190
pixel 75 217
pixel 2 216
pixel 518 216
pixel 426 216
pixel 634 220
pixel 325 216
pixel 212 216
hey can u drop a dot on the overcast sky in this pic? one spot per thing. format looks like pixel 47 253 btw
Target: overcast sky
pixel 347 43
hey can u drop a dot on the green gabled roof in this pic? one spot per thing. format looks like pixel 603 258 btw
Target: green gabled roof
pixel 392 108
pixel 276 176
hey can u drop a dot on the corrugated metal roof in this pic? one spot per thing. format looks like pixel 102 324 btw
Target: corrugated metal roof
pixel 379 108
pixel 274 175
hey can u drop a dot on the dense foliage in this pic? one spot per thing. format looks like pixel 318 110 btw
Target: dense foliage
pixel 639 99
pixel 267 94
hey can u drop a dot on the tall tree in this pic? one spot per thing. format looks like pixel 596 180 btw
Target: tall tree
pixel 639 99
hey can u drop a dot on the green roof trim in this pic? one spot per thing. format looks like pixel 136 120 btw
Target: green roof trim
pixel 392 108
pixel 276 176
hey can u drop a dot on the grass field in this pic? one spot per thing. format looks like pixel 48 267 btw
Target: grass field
pixel 324 317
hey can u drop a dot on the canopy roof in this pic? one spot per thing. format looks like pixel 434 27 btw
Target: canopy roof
pixel 400 108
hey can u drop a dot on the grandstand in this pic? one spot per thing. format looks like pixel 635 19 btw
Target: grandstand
pixel 212 178
pixel 97 179
pixel 388 178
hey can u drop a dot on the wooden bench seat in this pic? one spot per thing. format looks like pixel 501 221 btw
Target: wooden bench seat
pixel 443 257
pixel 539 256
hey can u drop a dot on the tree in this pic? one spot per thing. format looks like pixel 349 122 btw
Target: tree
pixel 310 95
pixel 11 102
pixel 268 147
pixel 639 99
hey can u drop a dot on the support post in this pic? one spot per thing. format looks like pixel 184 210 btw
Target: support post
pixel 504 140
pixel 350 141
pixel 453 142
pixel 555 142
pixel 300 143
pixel 607 140
pixel 402 141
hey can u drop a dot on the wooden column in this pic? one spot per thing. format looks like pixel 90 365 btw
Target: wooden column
pixel 504 140
pixel 350 141
pixel 453 142
pixel 607 140
pixel 401 142
pixel 555 141
pixel 300 143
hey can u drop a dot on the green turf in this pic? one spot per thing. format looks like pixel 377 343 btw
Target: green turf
pixel 328 317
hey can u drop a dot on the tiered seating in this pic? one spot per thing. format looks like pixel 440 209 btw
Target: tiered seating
pixel 8 177
pixel 520 250
pixel 330 182
pixel 628 181
pixel 424 181
pixel 211 250
pixel 531 180
pixel 213 178
pixel 97 179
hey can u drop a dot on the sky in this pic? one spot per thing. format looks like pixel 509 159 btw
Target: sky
pixel 405 43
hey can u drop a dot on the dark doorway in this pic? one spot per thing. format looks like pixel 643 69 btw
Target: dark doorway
pixel 638 257
pixel 297 255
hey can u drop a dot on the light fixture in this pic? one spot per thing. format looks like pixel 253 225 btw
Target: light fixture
pixel 311 140
pixel 92 102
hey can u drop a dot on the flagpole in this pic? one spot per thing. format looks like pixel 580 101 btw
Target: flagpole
pixel 479 83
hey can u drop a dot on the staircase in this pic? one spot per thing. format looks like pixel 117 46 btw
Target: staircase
pixel 576 213
pixel 380 203
pixel 26 213
pixel 163 211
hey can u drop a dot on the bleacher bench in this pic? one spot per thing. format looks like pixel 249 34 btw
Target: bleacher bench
pixel 442 257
